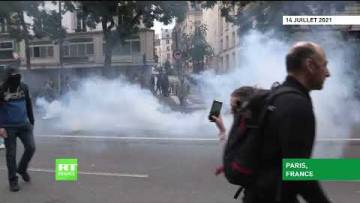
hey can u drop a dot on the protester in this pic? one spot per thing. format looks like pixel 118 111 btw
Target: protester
pixel 165 85
pixel 16 117
pixel 152 83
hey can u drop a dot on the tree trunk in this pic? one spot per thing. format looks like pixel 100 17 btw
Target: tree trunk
pixel 108 42
pixel 27 53
pixel 108 53
pixel 26 39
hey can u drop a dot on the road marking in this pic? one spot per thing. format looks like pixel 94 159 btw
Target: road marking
pixel 90 173
pixel 130 138
pixel 339 139
pixel 174 138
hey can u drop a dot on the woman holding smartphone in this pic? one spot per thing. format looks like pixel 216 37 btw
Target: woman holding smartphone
pixel 237 99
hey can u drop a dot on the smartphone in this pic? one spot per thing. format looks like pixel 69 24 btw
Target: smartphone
pixel 215 110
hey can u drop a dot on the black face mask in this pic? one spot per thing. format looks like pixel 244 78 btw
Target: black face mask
pixel 14 80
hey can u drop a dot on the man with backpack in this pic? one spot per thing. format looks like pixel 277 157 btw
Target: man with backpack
pixel 276 124
pixel 289 130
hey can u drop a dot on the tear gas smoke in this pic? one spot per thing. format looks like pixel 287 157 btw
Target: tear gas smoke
pixel 117 106
pixel 121 107
pixel 263 62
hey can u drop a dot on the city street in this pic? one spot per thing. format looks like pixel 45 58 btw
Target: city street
pixel 137 169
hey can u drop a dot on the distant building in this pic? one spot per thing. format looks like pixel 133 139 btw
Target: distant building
pixel 224 39
pixel 192 20
pixel 157 50
pixel 83 53
pixel 165 46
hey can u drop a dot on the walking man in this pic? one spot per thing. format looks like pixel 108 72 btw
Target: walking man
pixel 289 131
pixel 16 117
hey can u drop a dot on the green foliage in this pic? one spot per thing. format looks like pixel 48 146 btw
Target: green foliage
pixel 47 24
pixel 13 12
pixel 122 19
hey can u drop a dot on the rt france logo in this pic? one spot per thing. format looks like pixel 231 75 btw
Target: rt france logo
pixel 66 169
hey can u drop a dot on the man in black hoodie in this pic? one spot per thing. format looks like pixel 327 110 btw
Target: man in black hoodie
pixel 16 117
pixel 289 131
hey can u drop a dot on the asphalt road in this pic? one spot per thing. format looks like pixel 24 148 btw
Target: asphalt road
pixel 121 170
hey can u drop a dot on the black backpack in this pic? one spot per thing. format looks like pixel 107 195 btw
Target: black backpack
pixel 242 151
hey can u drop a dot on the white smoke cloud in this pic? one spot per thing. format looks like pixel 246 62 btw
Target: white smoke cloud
pixel 263 63
pixel 116 105
pixel 100 105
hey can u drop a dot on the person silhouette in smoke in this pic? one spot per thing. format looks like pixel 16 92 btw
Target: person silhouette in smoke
pixel 16 117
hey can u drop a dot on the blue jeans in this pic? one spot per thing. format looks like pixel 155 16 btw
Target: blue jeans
pixel 25 133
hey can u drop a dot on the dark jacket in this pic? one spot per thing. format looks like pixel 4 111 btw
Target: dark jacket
pixel 289 133
pixel 15 106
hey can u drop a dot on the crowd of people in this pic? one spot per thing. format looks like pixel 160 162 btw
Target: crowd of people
pixel 160 84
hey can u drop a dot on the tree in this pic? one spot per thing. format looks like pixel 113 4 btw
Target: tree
pixel 14 14
pixel 197 48
pixel 122 19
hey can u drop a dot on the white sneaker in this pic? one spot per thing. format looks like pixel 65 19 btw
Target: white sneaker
pixel 2 146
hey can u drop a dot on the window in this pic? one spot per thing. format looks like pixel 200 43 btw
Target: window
pixel 226 42
pixel 81 50
pixel 168 56
pixel 41 51
pixel 168 48
pixel 78 47
pixel 6 45
pixel 167 41
pixel 233 59
pixel 221 26
pixel 73 51
pixel 221 45
pixel 167 36
pixel 7 49
pixel 122 49
pixel 36 52
pixel 3 25
pixel 233 40
pixel 222 63
pixel 135 46
pixel 227 62
pixel 129 47
pixel 90 49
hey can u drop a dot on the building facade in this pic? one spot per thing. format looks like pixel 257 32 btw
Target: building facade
pixel 224 39
pixel 82 47
pixel 221 36
pixel 83 54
